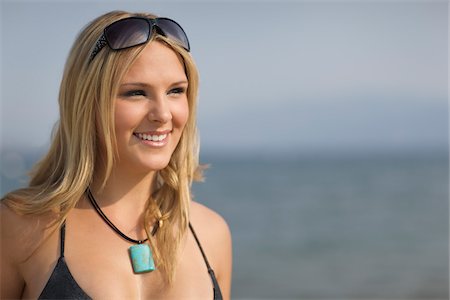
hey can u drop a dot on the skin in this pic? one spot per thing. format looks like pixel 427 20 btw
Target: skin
pixel 152 98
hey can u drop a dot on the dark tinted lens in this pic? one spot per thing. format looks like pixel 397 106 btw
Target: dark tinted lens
pixel 173 31
pixel 127 33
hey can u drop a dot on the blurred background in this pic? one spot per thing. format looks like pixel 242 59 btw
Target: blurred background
pixel 325 124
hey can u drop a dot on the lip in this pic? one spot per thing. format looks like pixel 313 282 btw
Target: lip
pixel 141 137
pixel 154 132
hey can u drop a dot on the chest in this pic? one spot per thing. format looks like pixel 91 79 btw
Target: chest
pixel 99 263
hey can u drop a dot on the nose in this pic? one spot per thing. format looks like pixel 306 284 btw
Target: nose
pixel 160 110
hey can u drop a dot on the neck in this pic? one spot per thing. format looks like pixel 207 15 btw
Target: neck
pixel 123 200
pixel 124 190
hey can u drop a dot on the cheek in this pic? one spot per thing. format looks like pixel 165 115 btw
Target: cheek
pixel 125 117
pixel 180 114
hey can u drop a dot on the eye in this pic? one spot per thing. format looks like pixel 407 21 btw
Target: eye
pixel 177 90
pixel 134 93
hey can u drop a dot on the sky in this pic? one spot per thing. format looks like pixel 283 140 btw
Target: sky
pixel 275 76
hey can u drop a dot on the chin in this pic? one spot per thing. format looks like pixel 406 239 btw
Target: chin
pixel 142 163
pixel 156 165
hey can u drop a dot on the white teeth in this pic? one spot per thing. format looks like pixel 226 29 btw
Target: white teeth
pixel 153 138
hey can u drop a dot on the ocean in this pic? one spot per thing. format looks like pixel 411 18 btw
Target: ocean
pixel 326 226
pixel 334 227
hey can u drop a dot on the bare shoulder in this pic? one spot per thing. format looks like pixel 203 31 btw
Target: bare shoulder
pixel 213 221
pixel 20 234
pixel 13 227
pixel 215 236
pixel 209 223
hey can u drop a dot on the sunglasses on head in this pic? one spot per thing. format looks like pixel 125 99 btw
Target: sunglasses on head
pixel 134 31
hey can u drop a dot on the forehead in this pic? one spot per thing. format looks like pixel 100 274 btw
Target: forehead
pixel 156 63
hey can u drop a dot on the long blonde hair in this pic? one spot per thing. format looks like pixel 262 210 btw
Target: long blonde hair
pixel 85 138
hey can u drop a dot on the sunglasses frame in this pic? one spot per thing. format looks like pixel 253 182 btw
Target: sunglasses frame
pixel 153 27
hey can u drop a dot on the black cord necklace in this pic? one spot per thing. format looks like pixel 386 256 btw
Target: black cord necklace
pixel 140 254
pixel 108 221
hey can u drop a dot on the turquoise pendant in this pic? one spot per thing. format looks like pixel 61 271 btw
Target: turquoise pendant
pixel 141 258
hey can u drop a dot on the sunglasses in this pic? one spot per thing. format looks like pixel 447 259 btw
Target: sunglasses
pixel 134 31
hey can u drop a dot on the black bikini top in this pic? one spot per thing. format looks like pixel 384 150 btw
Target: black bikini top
pixel 62 285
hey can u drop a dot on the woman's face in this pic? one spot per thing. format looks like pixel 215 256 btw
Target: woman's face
pixel 151 109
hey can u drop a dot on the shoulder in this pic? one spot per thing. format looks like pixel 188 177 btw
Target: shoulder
pixel 21 237
pixel 209 223
pixel 21 234
pixel 202 213
pixel 14 231
pixel 215 236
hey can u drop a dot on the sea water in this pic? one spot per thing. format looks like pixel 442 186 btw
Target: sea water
pixel 334 227
pixel 324 227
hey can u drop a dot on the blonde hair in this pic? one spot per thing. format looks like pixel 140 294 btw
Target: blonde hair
pixel 84 138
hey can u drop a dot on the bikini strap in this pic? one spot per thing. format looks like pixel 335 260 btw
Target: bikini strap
pixel 200 246
pixel 62 237
pixel 216 287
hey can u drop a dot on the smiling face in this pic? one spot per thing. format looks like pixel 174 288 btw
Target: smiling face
pixel 151 109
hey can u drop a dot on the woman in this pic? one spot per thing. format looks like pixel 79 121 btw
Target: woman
pixel 108 212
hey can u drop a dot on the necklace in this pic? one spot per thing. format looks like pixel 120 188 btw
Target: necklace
pixel 140 253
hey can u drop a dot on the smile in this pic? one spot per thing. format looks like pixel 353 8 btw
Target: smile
pixel 151 137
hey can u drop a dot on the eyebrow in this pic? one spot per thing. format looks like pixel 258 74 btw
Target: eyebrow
pixel 142 84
